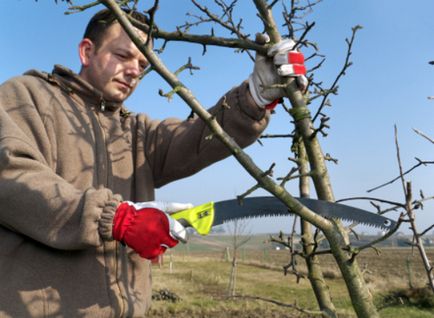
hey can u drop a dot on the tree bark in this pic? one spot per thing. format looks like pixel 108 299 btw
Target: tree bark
pixel 315 274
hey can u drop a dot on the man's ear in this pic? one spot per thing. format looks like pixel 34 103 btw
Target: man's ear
pixel 85 50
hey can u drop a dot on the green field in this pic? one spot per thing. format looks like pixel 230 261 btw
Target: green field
pixel 192 281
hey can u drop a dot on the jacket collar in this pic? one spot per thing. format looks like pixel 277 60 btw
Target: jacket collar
pixel 74 84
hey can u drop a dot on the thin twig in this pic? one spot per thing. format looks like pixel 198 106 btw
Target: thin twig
pixel 346 65
pixel 384 237
pixel 417 241
pixel 264 136
pixel 427 230
pixel 420 163
pixel 74 9
pixel 423 135
pixel 372 199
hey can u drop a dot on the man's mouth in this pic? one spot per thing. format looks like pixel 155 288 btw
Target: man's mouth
pixel 125 84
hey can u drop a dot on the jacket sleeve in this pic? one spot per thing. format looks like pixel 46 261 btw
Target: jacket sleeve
pixel 34 200
pixel 177 149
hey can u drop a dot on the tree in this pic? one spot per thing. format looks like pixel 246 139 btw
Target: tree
pixel 236 230
pixel 306 142
pixel 410 206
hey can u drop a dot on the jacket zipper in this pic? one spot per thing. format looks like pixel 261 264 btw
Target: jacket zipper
pixel 106 184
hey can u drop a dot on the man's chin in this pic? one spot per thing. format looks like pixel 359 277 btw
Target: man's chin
pixel 117 98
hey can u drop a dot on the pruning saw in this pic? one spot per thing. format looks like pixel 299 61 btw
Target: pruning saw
pixel 203 217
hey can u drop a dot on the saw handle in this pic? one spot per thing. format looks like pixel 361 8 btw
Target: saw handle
pixel 201 217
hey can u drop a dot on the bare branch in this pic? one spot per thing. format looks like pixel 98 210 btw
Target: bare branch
pixel 346 65
pixel 373 199
pixel 75 9
pixel 420 163
pixel 328 157
pixel 170 94
pixel 423 135
pixel 382 238
pixel 427 230
pixel 291 176
pixel 180 36
pixel 234 28
pixel 152 11
pixel 323 125
pixel 269 172
pixel 264 136
pixel 291 16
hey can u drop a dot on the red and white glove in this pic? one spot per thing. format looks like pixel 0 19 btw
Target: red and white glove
pixel 281 60
pixel 147 227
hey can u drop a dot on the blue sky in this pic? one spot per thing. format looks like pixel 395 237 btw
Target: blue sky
pixel 388 84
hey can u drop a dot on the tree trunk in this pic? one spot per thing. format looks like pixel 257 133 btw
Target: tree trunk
pixel 233 277
pixel 315 274
pixel 360 296
pixel 337 237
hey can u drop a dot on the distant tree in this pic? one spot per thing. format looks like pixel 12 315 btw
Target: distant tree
pixel 410 206
pixel 236 230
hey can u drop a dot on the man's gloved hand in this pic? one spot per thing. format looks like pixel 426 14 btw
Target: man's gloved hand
pixel 147 227
pixel 281 61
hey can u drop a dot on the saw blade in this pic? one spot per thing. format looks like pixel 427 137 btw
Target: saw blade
pixel 252 207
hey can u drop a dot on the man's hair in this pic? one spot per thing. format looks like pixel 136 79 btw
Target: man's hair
pixel 103 19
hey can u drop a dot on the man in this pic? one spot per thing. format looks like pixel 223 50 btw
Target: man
pixel 78 173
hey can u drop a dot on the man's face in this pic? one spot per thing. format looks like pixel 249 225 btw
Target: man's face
pixel 115 66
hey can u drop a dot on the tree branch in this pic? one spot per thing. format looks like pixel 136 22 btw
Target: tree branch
pixel 333 88
pixel 420 163
pixel 423 135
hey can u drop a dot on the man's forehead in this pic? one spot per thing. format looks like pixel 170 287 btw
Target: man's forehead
pixel 115 31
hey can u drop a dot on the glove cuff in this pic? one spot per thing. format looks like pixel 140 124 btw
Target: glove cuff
pixel 177 230
pixel 122 220
pixel 253 88
pixel 273 104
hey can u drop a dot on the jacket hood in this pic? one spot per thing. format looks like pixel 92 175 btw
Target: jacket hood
pixel 73 83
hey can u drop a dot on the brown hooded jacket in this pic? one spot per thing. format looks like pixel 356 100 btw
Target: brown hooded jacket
pixel 67 159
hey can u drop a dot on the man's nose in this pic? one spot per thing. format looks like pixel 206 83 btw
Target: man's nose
pixel 133 69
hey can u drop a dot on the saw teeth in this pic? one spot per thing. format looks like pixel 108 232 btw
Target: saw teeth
pixel 385 226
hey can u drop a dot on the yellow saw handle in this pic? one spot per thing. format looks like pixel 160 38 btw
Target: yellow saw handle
pixel 201 217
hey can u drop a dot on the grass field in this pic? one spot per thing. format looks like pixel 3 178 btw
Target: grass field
pixel 193 281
